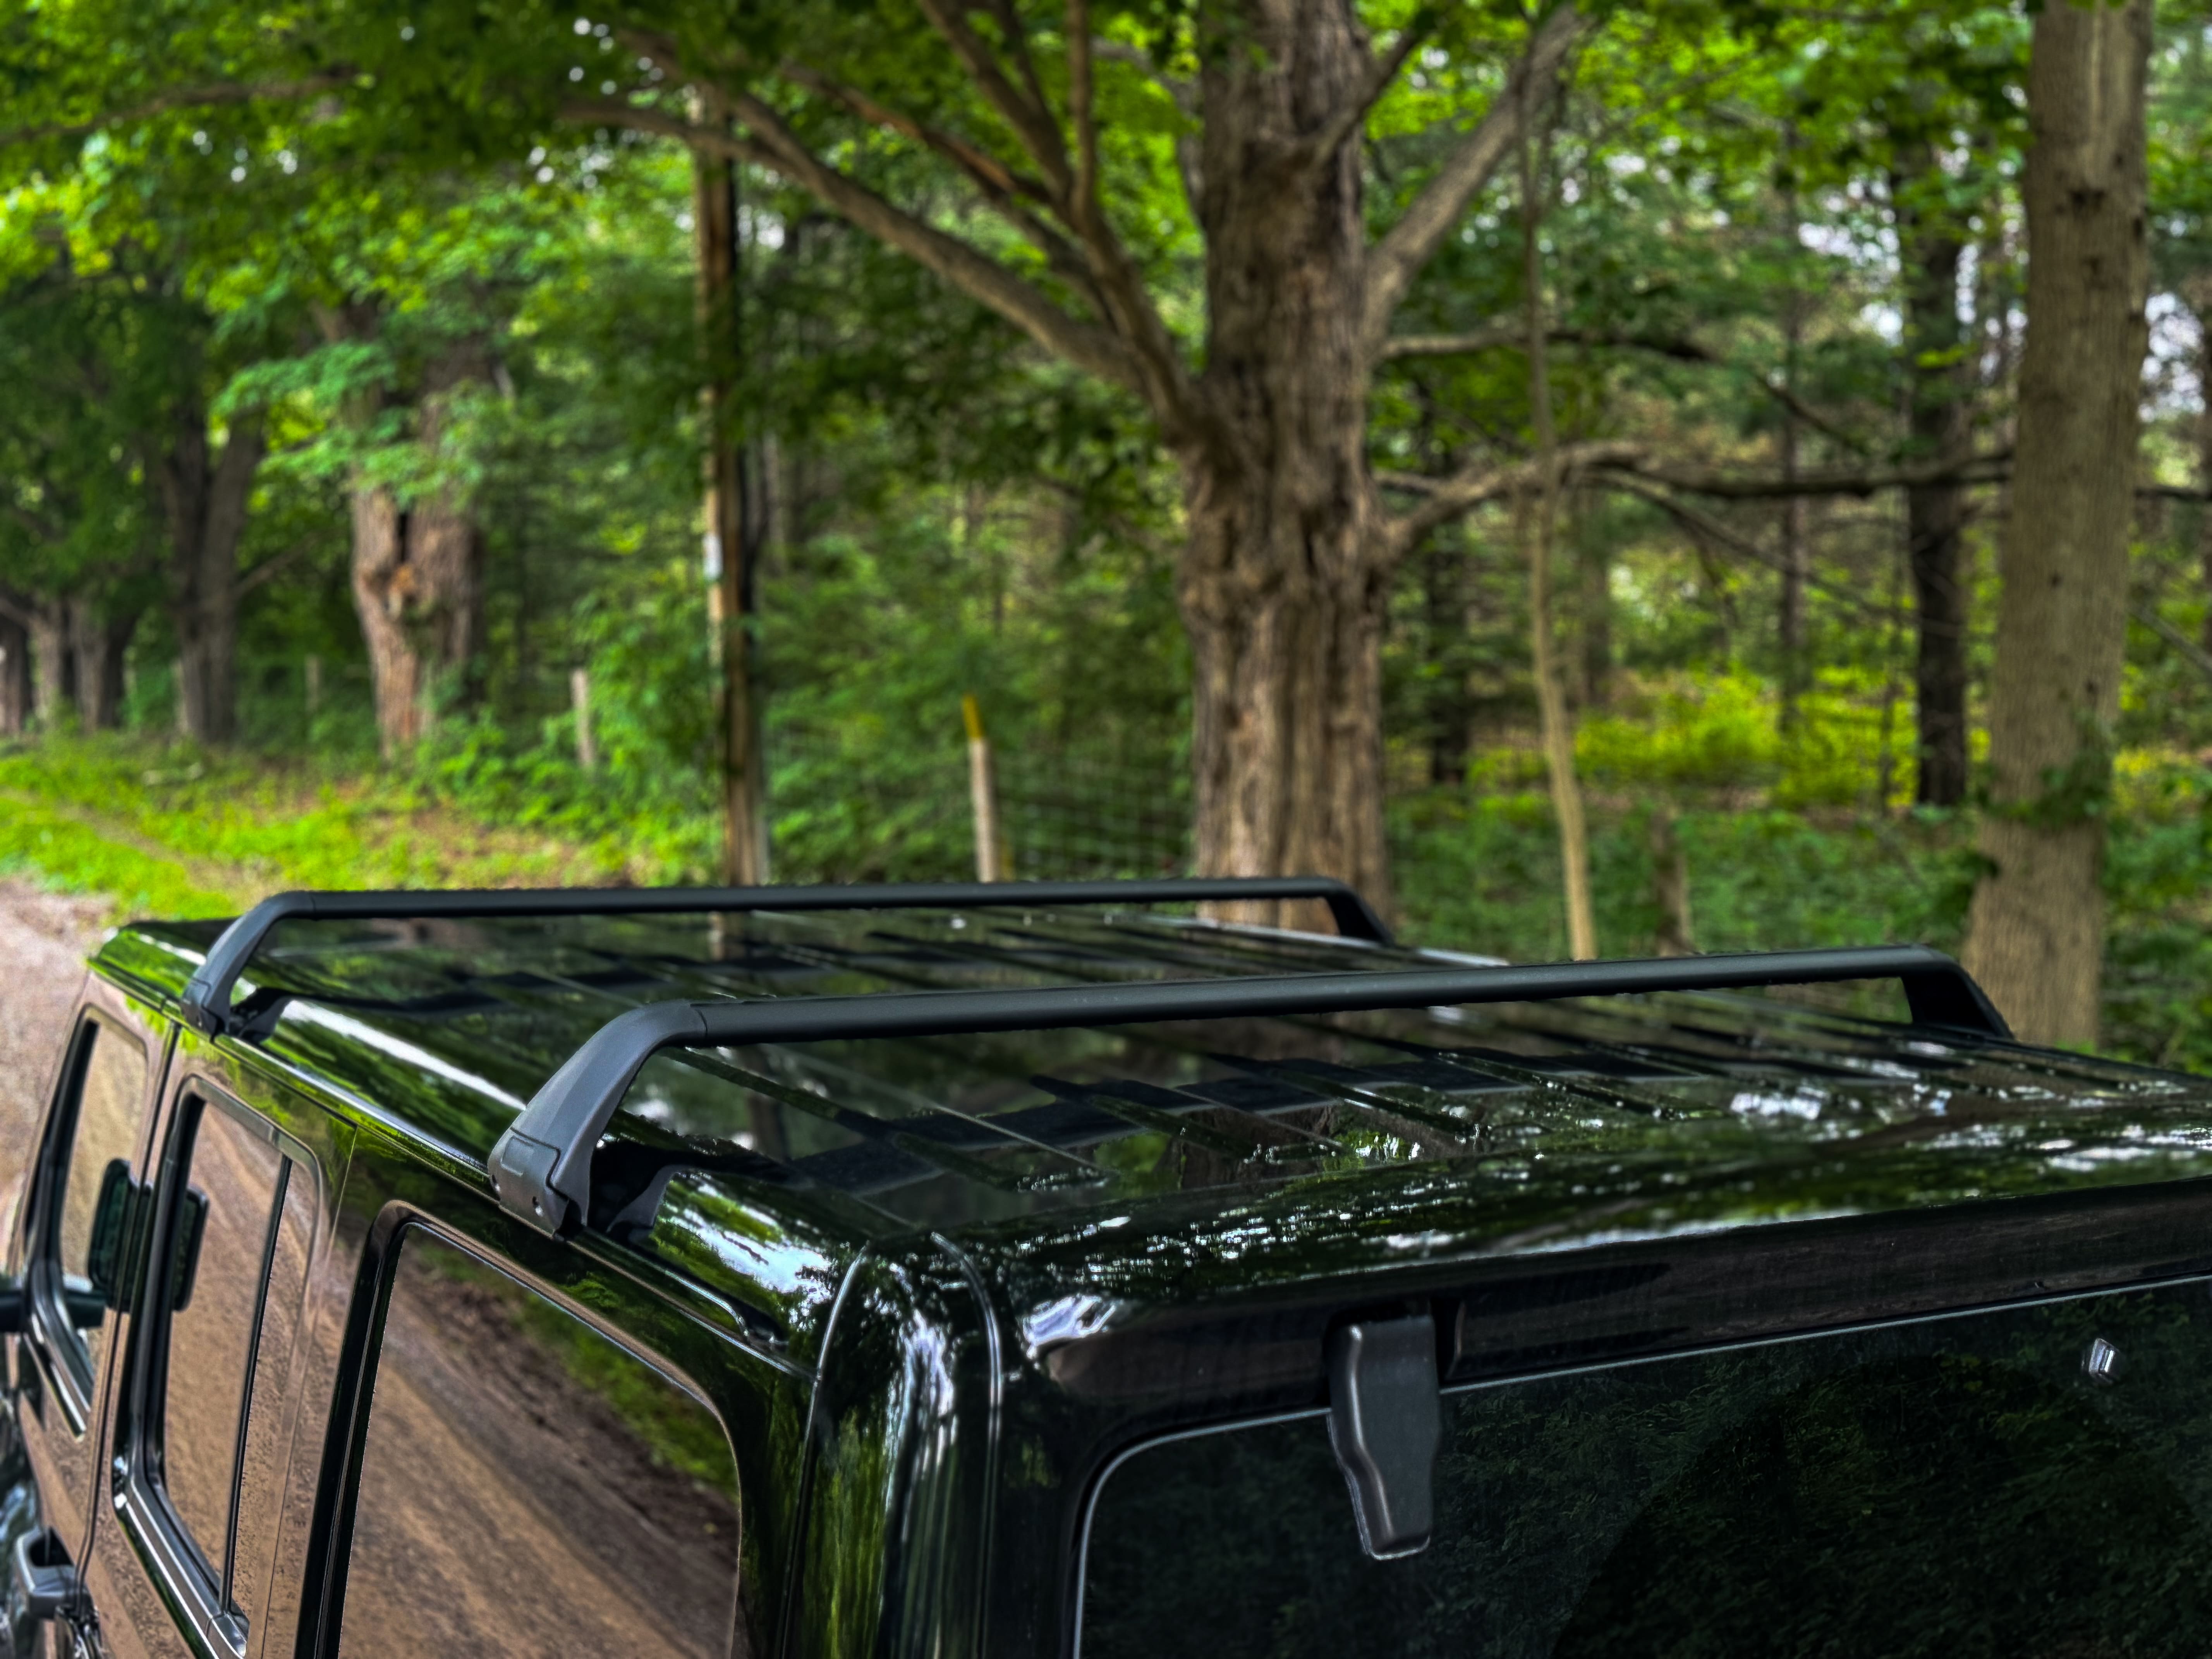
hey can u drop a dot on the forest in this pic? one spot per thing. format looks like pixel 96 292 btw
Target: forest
pixel 1557 469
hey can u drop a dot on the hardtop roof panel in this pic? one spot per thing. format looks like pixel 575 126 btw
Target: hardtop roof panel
pixel 1249 1148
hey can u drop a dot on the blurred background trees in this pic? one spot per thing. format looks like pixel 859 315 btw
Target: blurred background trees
pixel 1169 392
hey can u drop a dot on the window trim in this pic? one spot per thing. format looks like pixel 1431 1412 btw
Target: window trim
pixel 173 1558
pixel 62 1353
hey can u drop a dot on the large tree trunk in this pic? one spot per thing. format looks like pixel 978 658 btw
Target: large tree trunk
pixel 1934 514
pixel 1284 580
pixel 15 675
pixel 382 585
pixel 2036 931
pixel 737 525
pixel 98 642
pixel 51 686
pixel 417 572
pixel 203 503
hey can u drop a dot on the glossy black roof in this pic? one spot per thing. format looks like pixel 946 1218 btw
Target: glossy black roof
pixel 1090 1169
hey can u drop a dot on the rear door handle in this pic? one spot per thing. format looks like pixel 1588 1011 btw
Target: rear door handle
pixel 43 1574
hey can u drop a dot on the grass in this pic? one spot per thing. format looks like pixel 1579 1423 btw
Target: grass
pixel 173 832
pixel 58 852
pixel 1785 847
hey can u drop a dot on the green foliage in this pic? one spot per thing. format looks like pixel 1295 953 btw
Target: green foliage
pixel 954 513
pixel 1483 875
pixel 47 843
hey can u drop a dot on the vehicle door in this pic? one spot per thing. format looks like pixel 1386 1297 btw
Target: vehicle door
pixel 72 1249
pixel 177 1564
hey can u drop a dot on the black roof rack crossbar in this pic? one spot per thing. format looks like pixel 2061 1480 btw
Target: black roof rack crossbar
pixel 207 996
pixel 541 1167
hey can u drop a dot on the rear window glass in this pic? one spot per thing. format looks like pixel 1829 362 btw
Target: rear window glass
pixel 530 1487
pixel 1953 1486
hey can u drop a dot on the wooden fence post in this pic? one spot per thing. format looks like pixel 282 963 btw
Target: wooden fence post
pixel 983 797
pixel 580 693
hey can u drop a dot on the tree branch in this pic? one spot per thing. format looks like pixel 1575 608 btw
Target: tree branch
pixel 1628 467
pixel 979 165
pixel 206 96
pixel 1017 43
pixel 1319 145
pixel 1120 285
pixel 275 564
pixel 1000 184
pixel 1446 499
pixel 1710 528
pixel 1992 468
pixel 1399 257
pixel 1506 338
pixel 2189 650
pixel 1079 115
pixel 1032 121
pixel 772 145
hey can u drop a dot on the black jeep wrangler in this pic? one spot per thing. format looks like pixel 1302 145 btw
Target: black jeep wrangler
pixel 1026 1271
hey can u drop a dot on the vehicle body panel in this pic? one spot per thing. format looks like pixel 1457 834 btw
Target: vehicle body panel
pixel 934 1289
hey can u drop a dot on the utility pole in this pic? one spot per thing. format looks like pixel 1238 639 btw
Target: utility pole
pixel 736 521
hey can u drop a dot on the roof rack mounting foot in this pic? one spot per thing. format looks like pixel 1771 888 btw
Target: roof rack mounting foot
pixel 1385 1421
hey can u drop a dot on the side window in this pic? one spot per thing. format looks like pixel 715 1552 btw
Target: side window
pixel 98 1129
pixel 239 1213
pixel 528 1486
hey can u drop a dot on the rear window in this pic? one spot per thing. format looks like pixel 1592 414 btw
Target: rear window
pixel 529 1487
pixel 1956 1486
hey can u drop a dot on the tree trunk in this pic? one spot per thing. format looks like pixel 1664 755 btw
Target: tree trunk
pixel 15 675
pixel 418 571
pixel 382 586
pixel 1558 721
pixel 737 524
pixel 1287 740
pixel 2035 933
pixel 49 662
pixel 1938 421
pixel 203 505
pixel 1796 552
pixel 1284 579
pixel 2200 303
pixel 98 642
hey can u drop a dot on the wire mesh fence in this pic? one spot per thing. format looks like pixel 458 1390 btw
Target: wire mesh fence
pixel 1072 816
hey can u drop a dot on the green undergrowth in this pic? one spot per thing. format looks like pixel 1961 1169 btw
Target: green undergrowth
pixel 79 813
pixel 58 852
pixel 1482 873
pixel 163 829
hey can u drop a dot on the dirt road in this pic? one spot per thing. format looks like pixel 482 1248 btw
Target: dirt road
pixel 44 939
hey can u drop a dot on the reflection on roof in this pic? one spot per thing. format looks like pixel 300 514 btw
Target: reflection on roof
pixel 1308 1141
